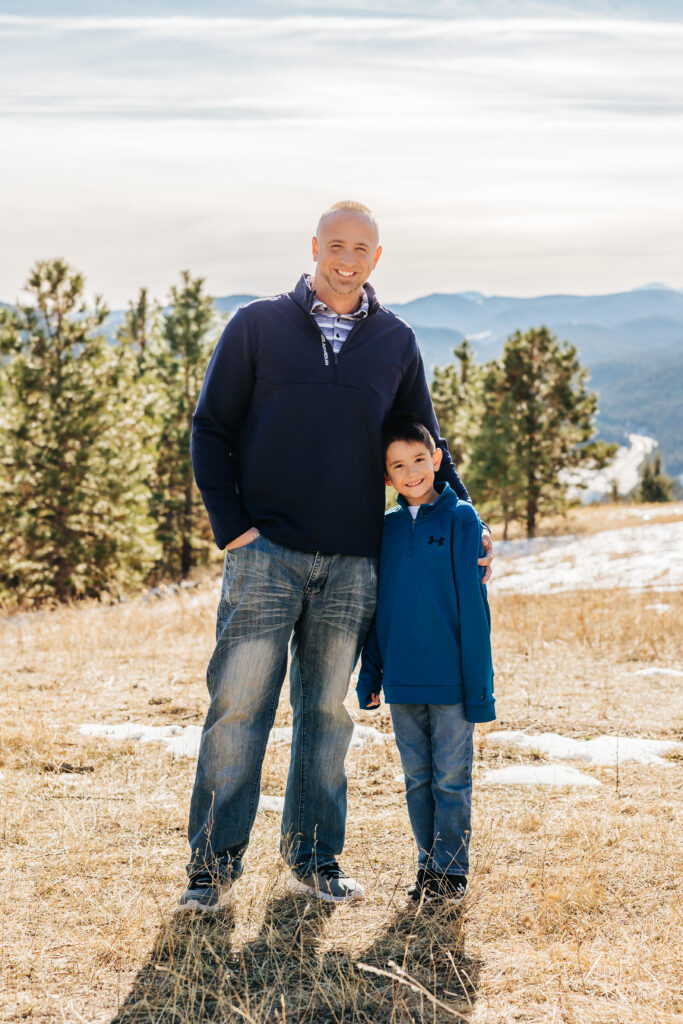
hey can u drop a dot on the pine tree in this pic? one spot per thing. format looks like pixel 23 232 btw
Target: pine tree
pixel 548 418
pixel 457 397
pixel 494 479
pixel 73 499
pixel 184 352
pixel 654 484
pixel 528 418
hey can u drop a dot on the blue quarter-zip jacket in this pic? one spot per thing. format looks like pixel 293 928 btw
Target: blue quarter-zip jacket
pixel 430 642
pixel 286 435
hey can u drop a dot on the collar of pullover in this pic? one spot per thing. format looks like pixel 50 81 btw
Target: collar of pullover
pixel 446 496
pixel 305 297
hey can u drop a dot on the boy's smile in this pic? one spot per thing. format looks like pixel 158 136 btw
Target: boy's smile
pixel 410 468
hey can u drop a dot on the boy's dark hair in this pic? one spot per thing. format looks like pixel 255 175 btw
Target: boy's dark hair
pixel 402 426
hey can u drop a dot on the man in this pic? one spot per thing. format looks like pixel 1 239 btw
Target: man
pixel 287 456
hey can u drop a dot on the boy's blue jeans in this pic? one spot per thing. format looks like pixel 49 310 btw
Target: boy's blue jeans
pixel 436 745
pixel 325 604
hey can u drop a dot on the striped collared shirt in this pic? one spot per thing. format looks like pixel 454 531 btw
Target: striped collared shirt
pixel 336 326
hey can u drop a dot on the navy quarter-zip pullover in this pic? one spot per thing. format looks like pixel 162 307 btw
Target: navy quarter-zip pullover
pixel 286 434
pixel 430 642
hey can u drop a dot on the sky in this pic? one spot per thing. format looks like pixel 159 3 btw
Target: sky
pixel 510 148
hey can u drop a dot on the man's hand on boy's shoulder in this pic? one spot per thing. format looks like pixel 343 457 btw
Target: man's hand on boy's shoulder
pixel 488 554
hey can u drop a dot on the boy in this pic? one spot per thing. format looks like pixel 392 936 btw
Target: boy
pixel 429 649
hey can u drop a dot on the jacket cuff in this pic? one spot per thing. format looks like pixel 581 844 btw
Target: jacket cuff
pixel 225 531
pixel 481 712
pixel 365 690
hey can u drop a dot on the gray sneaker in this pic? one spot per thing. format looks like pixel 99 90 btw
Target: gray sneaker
pixel 206 893
pixel 327 882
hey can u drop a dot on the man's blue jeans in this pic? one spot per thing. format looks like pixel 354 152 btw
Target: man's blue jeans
pixel 436 744
pixel 325 604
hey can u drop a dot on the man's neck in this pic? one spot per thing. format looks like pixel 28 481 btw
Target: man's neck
pixel 340 304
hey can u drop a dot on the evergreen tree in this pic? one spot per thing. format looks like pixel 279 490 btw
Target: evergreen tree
pixel 73 499
pixel 495 479
pixel 546 419
pixel 184 352
pixel 654 484
pixel 141 331
pixel 457 397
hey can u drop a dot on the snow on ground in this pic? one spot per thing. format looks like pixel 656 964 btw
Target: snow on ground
pixel 603 750
pixel 183 741
pixel 658 607
pixel 538 775
pixel 648 556
pixel 273 804
pixel 660 672
pixel 624 470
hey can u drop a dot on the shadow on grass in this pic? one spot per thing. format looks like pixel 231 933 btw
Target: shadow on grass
pixel 195 975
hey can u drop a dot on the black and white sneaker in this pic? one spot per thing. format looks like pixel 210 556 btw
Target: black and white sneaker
pixel 445 888
pixel 206 893
pixel 327 882
pixel 416 889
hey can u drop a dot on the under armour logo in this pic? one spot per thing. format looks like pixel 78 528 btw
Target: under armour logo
pixel 437 540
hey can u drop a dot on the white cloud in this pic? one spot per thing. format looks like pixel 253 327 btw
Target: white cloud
pixel 503 154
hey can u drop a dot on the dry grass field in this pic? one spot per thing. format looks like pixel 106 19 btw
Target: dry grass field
pixel 574 912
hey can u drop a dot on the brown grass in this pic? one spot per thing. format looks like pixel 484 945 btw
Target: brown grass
pixel 585 519
pixel 574 910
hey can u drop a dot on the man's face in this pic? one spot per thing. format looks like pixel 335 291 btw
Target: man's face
pixel 346 251
pixel 410 468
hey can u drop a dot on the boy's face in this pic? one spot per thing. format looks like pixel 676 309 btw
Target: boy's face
pixel 410 468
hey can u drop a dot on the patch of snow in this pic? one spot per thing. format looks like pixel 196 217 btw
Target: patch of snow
pixel 538 775
pixel 649 556
pixel 593 484
pixel 180 740
pixel 281 734
pixel 603 750
pixel 183 740
pixel 275 804
pixel 364 734
pixel 676 673
pixel 657 607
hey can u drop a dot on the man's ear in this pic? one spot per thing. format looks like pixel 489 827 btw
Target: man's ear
pixel 436 459
pixel 314 247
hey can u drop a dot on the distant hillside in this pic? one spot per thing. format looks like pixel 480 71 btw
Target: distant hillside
pixel 643 395
pixel 497 316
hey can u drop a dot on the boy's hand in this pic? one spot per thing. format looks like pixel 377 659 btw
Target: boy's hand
pixel 488 555
pixel 373 702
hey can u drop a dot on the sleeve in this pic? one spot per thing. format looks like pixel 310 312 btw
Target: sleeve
pixel 218 420
pixel 413 397
pixel 370 675
pixel 475 622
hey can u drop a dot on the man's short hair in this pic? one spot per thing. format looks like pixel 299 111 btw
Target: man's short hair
pixel 402 426
pixel 348 204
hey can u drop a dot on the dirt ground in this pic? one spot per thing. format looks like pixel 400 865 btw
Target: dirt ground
pixel 574 911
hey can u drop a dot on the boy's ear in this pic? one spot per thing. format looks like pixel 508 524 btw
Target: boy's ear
pixel 436 459
pixel 387 480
